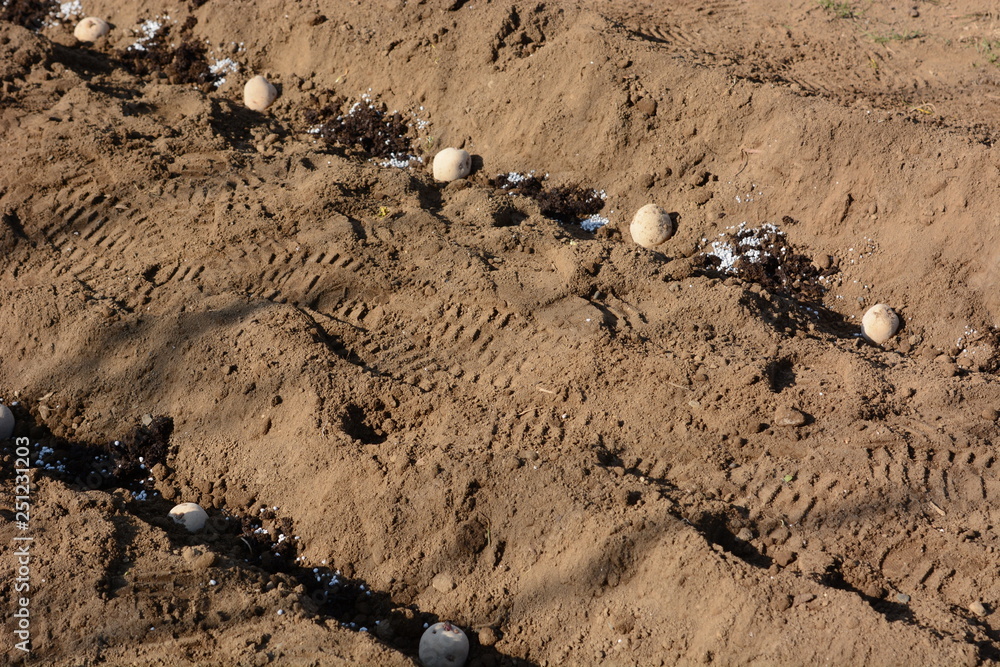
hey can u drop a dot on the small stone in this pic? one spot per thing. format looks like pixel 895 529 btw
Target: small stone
pixel 803 598
pixel 488 636
pixel 789 416
pixel 147 419
pixel 914 12
pixel 781 603
pixel 903 597
pixel 978 608
pixel 646 106
pixel 443 583
pixel 745 534
pixel 990 414
pixel 823 261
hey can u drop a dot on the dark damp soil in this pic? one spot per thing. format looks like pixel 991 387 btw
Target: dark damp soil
pixel 565 203
pixel 364 125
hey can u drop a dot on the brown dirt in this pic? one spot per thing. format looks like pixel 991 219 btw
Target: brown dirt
pixel 442 404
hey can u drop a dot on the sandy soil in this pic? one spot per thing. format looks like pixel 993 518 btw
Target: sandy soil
pixel 403 401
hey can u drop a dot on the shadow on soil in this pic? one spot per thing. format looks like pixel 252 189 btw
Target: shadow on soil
pixel 262 545
pixel 721 524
